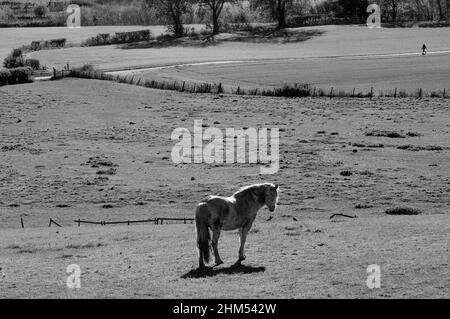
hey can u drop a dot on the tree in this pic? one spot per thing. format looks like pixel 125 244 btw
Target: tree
pixel 216 7
pixel 354 8
pixel 173 10
pixel 277 9
pixel 441 16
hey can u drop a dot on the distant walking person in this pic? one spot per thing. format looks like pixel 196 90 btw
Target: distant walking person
pixel 424 49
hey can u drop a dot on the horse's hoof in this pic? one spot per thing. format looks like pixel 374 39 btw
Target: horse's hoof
pixel 220 262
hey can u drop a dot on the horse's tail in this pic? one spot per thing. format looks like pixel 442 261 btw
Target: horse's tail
pixel 203 236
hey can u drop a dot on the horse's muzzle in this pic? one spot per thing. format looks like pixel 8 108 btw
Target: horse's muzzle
pixel 271 209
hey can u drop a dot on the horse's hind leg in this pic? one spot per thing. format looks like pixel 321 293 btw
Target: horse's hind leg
pixel 215 242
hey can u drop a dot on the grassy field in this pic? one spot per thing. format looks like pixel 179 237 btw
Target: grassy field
pixel 16 37
pixel 285 259
pixel 343 57
pixel 99 150
pixel 48 170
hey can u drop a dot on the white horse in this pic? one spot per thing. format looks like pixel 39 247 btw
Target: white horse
pixel 228 213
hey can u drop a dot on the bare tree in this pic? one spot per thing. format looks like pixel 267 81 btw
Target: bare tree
pixel 441 17
pixel 216 7
pixel 277 8
pixel 173 11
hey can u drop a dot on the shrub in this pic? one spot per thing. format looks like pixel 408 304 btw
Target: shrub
pixel 403 211
pixel 4 77
pixel 41 11
pixel 118 38
pixel 49 44
pixel 85 68
pixel 33 63
pixel 14 59
pixel 56 43
pixel 20 75
pixel 132 36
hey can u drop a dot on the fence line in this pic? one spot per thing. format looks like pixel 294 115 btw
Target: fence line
pixel 156 221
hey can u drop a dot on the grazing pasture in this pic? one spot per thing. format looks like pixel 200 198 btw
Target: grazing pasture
pixel 343 57
pixel 70 147
pixel 285 259
pixel 101 151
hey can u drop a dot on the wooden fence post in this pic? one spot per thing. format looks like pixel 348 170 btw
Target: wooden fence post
pixel 21 222
pixel 54 73
pixel 395 92
pixel 331 93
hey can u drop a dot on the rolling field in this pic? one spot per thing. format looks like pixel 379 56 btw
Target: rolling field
pixel 56 161
pixel 101 151
pixel 383 73
pixel 285 259
pixel 16 37
pixel 343 57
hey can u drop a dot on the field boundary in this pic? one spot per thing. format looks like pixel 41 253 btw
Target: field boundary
pixel 156 221
pixel 295 90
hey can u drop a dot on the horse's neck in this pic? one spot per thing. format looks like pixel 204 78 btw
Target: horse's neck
pixel 248 206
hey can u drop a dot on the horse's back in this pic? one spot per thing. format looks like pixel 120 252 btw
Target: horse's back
pixel 215 207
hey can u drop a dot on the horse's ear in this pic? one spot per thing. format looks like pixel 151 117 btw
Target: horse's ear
pixel 276 186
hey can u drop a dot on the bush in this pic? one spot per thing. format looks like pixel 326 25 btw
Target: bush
pixel 14 59
pixel 403 211
pixel 56 43
pixel 49 44
pixel 33 63
pixel 4 77
pixel 118 38
pixel 20 75
pixel 41 11
pixel 133 36
pixel 15 76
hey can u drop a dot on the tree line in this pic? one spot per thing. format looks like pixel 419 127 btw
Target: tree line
pixel 174 11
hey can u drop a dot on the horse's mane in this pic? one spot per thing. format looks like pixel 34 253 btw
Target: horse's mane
pixel 244 191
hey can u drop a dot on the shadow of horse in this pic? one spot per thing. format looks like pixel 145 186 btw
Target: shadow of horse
pixel 212 271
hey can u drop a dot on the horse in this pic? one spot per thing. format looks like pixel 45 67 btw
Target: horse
pixel 229 213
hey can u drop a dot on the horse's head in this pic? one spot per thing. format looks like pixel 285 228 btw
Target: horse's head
pixel 271 196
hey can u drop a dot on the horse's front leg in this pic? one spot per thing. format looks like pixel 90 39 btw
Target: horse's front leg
pixel 243 237
pixel 215 243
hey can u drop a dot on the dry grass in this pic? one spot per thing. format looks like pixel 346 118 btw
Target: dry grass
pixel 159 261
pixel 72 125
